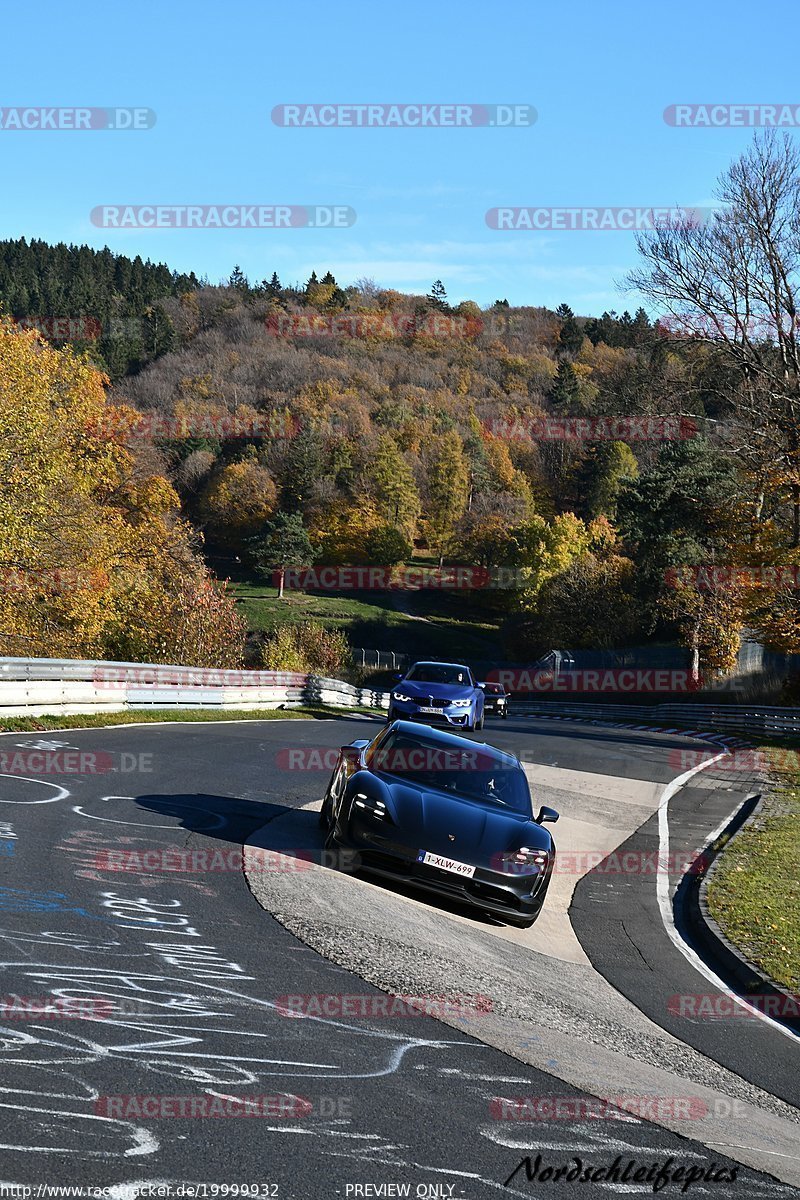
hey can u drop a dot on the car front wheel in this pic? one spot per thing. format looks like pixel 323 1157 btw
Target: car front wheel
pixel 331 797
pixel 324 815
pixel 325 812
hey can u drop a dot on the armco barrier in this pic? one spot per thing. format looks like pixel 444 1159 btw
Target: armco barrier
pixel 42 686
pixel 36 697
pixel 735 718
pixel 38 686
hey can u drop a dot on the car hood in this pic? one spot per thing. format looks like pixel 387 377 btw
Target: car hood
pixel 428 819
pixel 439 691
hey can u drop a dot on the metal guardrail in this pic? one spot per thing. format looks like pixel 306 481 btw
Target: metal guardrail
pixel 590 711
pixel 42 686
pixel 743 718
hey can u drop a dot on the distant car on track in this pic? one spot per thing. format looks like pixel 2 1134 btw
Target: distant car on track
pixel 444 813
pixel 438 694
pixel 495 699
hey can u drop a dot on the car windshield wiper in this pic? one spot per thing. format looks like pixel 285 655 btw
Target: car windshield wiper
pixel 480 797
pixel 493 799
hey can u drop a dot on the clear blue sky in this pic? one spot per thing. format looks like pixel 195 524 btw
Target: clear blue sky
pixel 599 75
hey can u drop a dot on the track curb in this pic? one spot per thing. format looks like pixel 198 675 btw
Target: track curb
pixel 707 937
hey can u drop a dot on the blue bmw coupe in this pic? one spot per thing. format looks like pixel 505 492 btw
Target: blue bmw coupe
pixel 438 694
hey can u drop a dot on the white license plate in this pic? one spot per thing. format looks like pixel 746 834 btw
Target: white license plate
pixel 433 710
pixel 445 864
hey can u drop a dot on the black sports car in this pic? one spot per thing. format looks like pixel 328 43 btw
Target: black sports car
pixel 495 699
pixel 444 813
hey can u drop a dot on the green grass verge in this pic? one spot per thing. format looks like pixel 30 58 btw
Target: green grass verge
pixel 451 626
pixel 132 717
pixel 755 891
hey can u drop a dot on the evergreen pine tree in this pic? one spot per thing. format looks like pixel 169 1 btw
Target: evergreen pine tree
pixel 438 297
pixel 238 280
pixel 571 336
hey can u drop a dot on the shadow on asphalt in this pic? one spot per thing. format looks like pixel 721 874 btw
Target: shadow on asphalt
pixel 290 844
pixel 299 836
pixel 234 820
pixel 228 818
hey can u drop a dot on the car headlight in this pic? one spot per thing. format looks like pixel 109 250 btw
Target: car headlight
pixel 400 696
pixel 461 703
pixel 523 861
pixel 375 808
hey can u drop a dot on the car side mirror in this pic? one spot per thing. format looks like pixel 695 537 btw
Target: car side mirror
pixel 546 814
pixel 354 751
pixel 482 686
pixel 396 676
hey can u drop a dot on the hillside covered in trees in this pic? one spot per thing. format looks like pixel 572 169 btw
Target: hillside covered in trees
pixel 95 558
pixel 636 478
pixel 102 302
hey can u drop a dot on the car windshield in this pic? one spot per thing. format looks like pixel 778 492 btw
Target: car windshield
pixel 476 772
pixel 437 673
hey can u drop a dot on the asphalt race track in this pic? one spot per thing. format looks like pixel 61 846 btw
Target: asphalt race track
pixel 169 991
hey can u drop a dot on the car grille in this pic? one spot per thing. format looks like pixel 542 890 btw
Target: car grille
pixel 452 885
pixel 485 891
